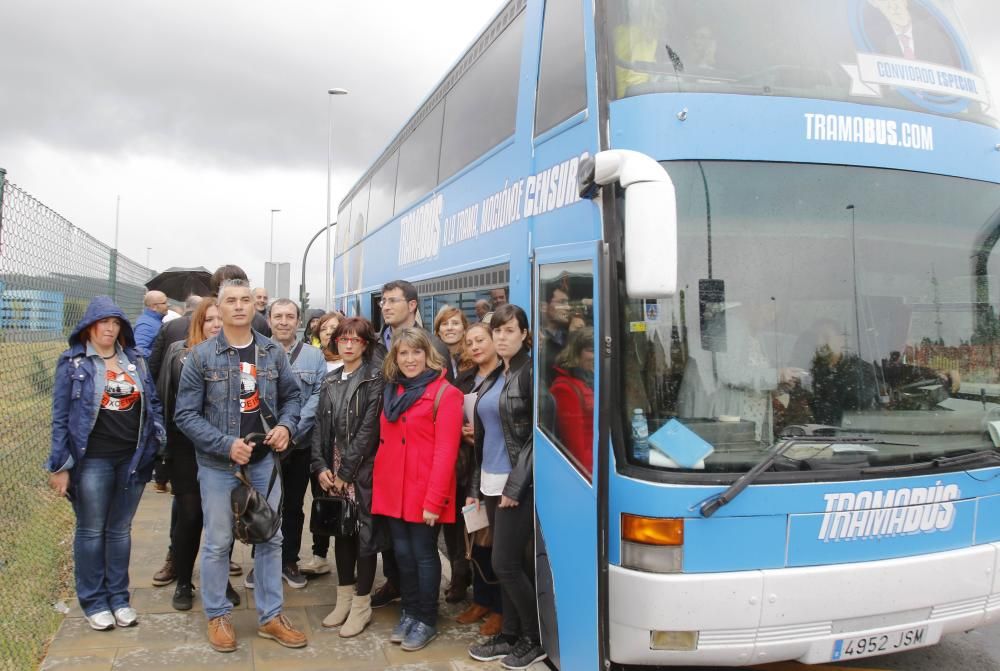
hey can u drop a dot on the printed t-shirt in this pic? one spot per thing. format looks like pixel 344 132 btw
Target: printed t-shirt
pixel 250 420
pixel 116 431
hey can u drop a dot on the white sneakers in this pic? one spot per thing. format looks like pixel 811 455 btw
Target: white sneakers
pixel 102 621
pixel 123 617
pixel 315 566
pixel 126 617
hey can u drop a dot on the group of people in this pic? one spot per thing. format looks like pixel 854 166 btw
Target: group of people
pixel 379 418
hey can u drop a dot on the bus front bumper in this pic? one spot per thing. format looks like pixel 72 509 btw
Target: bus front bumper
pixel 812 615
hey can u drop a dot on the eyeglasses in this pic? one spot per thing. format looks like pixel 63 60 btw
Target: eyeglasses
pixel 348 340
pixel 390 301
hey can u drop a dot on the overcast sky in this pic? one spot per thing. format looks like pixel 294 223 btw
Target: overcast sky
pixel 203 115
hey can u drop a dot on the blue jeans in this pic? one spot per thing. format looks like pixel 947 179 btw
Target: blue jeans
pixel 104 500
pixel 216 485
pixel 415 547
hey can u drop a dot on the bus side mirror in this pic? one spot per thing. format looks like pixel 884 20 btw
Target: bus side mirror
pixel 650 218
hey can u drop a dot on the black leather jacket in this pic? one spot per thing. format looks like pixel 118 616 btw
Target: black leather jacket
pixel 348 415
pixel 516 420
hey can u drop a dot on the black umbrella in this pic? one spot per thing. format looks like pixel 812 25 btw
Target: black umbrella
pixel 179 283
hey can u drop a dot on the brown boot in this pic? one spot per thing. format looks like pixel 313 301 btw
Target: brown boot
pixel 473 613
pixel 221 635
pixel 279 629
pixel 492 625
pixel 166 574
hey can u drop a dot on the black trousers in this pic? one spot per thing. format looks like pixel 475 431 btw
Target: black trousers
pixel 185 514
pixel 513 531
pixel 346 551
pixel 295 479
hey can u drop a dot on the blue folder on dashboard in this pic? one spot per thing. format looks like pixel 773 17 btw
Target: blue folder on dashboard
pixel 682 445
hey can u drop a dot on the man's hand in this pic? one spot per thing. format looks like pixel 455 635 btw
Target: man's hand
pixel 507 502
pixel 430 519
pixel 468 434
pixel 277 438
pixel 326 481
pixel 59 482
pixel 470 501
pixel 240 451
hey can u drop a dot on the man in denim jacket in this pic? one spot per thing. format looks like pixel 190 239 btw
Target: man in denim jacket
pixel 309 366
pixel 226 386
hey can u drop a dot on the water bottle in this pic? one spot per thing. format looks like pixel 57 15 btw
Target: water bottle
pixel 640 436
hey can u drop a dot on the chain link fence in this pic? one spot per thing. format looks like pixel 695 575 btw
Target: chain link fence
pixel 49 272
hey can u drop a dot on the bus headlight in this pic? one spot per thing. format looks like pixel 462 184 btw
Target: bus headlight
pixel 654 544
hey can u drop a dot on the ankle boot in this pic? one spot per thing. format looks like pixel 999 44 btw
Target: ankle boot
pixel 343 607
pixel 360 616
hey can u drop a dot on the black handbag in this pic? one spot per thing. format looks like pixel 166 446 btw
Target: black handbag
pixel 254 520
pixel 334 516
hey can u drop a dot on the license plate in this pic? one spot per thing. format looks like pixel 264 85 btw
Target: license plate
pixel 879 644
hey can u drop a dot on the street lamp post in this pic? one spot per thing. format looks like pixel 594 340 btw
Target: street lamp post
pixel 271 253
pixel 328 291
pixel 148 249
pixel 305 255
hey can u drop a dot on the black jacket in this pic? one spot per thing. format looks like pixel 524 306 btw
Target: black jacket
pixel 166 387
pixel 516 420
pixel 171 332
pixel 348 417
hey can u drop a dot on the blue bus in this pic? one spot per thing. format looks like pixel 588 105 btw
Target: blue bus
pixel 772 224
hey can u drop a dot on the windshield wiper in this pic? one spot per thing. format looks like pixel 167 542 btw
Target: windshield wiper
pixel 711 505
pixel 966 459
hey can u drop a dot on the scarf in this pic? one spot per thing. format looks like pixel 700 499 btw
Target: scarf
pixel 395 404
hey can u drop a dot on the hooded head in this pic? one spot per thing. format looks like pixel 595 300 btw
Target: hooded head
pixel 309 316
pixel 100 308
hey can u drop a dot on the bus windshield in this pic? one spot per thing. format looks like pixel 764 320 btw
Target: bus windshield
pixel 853 309
pixel 908 54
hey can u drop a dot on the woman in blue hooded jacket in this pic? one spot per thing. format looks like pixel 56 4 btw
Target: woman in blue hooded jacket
pixel 107 426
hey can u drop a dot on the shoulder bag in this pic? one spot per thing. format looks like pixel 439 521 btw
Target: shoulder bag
pixel 254 520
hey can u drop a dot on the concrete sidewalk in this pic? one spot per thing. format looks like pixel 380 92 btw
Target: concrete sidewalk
pixel 168 639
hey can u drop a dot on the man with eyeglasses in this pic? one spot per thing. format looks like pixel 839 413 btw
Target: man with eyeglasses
pixel 555 313
pixel 399 305
pixel 309 367
pixel 149 322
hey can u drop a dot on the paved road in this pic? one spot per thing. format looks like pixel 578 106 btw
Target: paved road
pixel 167 639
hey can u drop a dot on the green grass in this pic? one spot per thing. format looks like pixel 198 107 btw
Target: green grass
pixel 35 525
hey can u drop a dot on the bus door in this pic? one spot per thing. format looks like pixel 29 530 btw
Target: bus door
pixel 566 319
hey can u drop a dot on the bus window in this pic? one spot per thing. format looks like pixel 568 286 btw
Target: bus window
pixel 359 214
pixel 418 160
pixel 822 49
pixel 343 227
pixel 562 84
pixel 382 198
pixel 480 108
pixel 566 359
pixel 770 336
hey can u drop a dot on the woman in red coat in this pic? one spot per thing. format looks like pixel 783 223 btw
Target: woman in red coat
pixel 573 393
pixel 414 480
